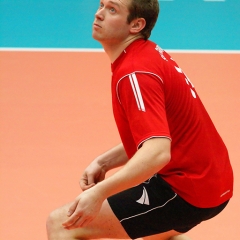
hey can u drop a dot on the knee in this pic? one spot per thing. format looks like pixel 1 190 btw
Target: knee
pixel 54 227
pixel 54 222
pixel 51 219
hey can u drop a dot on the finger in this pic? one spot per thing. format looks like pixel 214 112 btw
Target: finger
pixel 76 224
pixel 87 182
pixel 72 208
pixel 91 179
pixel 81 222
pixel 71 221
pixel 88 186
pixel 83 180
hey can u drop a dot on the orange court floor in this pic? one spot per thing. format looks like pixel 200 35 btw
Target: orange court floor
pixel 55 117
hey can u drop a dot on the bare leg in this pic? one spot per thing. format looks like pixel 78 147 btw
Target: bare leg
pixel 171 235
pixel 180 237
pixel 105 225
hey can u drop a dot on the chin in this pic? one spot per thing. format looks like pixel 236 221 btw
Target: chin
pixel 96 37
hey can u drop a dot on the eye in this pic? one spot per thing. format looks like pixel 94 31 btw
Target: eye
pixel 100 6
pixel 112 10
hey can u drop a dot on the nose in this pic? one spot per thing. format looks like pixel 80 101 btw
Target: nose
pixel 99 14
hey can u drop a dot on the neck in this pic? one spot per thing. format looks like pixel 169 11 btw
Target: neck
pixel 114 50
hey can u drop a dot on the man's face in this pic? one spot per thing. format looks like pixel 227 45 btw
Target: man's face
pixel 110 25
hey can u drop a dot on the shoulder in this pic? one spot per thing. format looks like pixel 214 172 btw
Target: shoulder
pixel 139 56
pixel 143 57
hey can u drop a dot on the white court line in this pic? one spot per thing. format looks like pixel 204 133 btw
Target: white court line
pixel 203 51
pixel 8 49
pixel 214 0
pixel 203 0
pixel 101 50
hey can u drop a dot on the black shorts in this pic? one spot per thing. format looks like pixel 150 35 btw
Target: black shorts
pixel 153 207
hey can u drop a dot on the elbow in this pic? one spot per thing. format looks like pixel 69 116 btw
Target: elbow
pixel 167 157
pixel 163 159
pixel 158 149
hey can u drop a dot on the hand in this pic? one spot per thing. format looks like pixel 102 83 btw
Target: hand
pixel 93 174
pixel 84 209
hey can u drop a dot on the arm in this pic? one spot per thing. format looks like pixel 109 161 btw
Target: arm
pixel 148 160
pixel 96 171
pixel 113 158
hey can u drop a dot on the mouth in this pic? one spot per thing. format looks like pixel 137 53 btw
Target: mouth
pixel 96 25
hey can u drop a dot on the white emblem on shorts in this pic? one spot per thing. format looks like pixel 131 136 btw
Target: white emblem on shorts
pixel 144 198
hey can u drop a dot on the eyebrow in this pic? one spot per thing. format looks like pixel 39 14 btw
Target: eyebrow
pixel 115 3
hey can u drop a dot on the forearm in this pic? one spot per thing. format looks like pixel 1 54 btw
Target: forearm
pixel 146 162
pixel 113 158
pixel 153 155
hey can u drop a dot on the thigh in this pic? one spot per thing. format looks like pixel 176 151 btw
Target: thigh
pixel 105 225
pixel 147 209
pixel 170 235
pixel 153 208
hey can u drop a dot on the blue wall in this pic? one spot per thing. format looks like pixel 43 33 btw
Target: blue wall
pixel 183 24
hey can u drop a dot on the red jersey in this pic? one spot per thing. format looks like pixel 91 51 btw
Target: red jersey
pixel 152 97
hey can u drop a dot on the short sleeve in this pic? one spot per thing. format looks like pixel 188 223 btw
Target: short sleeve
pixel 142 98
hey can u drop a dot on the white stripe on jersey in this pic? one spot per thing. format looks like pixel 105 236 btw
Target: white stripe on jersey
pixel 137 92
pixel 135 81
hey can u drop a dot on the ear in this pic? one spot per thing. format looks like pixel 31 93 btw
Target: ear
pixel 137 25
